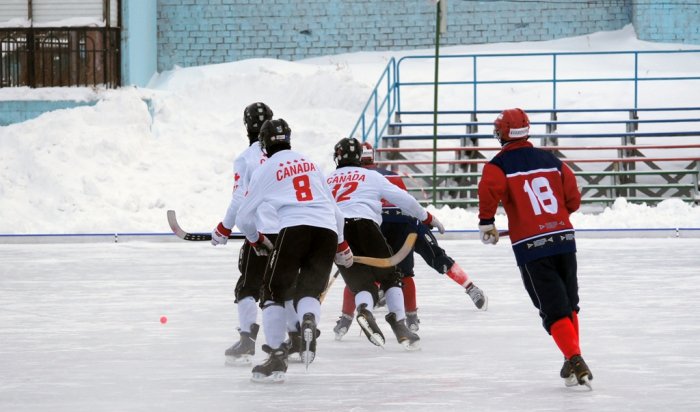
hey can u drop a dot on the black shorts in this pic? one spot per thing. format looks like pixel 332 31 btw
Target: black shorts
pixel 252 268
pixel 552 284
pixel 300 264
pixel 365 239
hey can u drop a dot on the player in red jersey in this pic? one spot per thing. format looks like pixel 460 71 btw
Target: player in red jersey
pixel 395 227
pixel 538 192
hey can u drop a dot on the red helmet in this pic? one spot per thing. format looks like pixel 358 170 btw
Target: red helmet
pixel 510 125
pixel 367 158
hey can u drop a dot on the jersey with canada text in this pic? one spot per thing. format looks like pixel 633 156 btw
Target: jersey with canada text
pixel 359 193
pixel 243 167
pixel 538 193
pixel 296 189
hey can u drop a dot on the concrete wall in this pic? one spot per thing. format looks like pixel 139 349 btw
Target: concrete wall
pixel 197 32
pixel 668 21
pixel 139 41
pixel 15 111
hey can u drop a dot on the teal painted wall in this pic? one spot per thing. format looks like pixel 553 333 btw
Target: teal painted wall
pixel 15 111
pixel 197 32
pixel 668 21
pixel 139 41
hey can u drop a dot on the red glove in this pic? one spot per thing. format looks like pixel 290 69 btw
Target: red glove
pixel 343 255
pixel 432 221
pixel 262 246
pixel 219 236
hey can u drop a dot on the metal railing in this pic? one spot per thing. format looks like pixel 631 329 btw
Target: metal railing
pixel 57 57
pixel 478 72
pixel 380 105
pixel 564 84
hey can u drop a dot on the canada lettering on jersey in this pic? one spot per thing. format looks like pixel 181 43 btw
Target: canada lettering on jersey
pixel 348 177
pixel 294 168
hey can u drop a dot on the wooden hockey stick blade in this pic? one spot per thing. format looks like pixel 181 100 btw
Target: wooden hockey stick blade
pixel 196 237
pixel 390 261
pixel 328 286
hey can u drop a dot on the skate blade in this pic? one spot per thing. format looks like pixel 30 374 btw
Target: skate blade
pixel 587 383
pixel 373 337
pixel 570 381
pixel 243 360
pixel 339 335
pixel 307 356
pixel 275 377
pixel 294 357
pixel 411 346
pixel 304 356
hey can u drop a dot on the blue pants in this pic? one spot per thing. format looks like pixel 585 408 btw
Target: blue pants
pixel 396 227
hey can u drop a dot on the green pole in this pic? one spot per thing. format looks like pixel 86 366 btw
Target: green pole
pixel 435 101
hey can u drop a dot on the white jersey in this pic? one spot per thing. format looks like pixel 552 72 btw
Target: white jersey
pixel 359 193
pixel 243 167
pixel 296 188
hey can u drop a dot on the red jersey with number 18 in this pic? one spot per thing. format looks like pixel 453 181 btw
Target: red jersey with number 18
pixel 538 193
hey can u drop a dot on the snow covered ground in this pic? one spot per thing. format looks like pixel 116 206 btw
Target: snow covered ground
pixel 80 331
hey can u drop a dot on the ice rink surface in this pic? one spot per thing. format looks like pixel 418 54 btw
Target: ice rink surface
pixel 80 331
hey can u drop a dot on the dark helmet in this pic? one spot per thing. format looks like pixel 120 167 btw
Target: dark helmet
pixel 511 125
pixel 348 152
pixel 274 133
pixel 253 117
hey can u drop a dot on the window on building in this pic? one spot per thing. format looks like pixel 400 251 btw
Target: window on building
pixel 53 43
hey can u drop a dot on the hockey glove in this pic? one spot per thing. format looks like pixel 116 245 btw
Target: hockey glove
pixel 262 246
pixel 220 235
pixel 343 255
pixel 434 223
pixel 489 234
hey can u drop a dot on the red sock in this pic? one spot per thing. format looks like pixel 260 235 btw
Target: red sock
pixel 348 302
pixel 574 319
pixel 409 294
pixel 458 275
pixel 565 337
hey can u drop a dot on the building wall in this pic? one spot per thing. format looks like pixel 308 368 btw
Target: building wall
pixel 668 21
pixel 139 42
pixel 16 111
pixel 197 32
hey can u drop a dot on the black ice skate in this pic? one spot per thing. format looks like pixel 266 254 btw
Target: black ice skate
pixel 567 373
pixel 412 321
pixel 583 374
pixel 342 326
pixel 369 326
pixel 481 301
pixel 309 333
pixel 408 339
pixel 274 368
pixel 293 344
pixel 241 353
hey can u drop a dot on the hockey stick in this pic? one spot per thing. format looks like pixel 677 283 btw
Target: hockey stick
pixel 328 286
pixel 392 260
pixel 172 221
